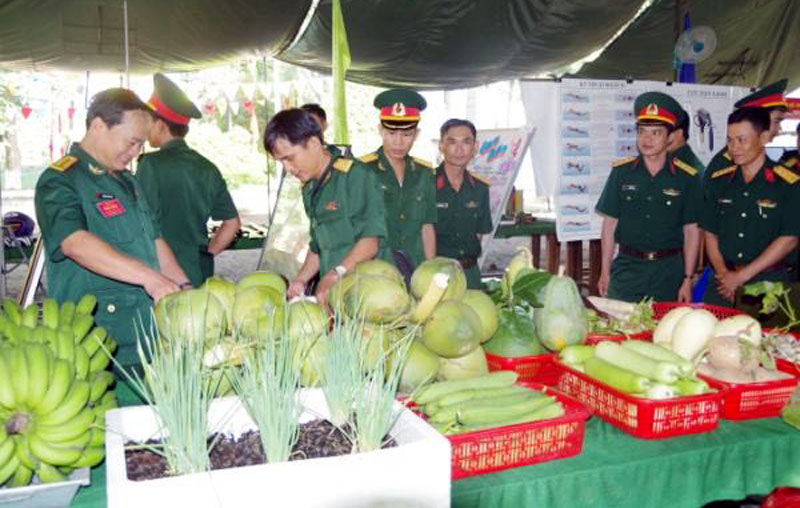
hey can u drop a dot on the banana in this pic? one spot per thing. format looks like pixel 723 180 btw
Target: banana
pixel 8 469
pixel 39 359
pixel 99 361
pixel 13 311
pixel 51 339
pixel 12 331
pixel 94 339
pixel 98 437
pixel 92 456
pixel 71 429
pixel 66 344
pixel 99 384
pixel 30 316
pixel 25 334
pixel 23 452
pixel 50 474
pixel 86 304
pixel 50 313
pixel 60 382
pixel 66 315
pixel 433 295
pixel 81 362
pixel 81 326
pixel 79 442
pixel 8 398
pixel 3 322
pixel 19 374
pixel 111 344
pixel 22 477
pixel 53 453
pixel 7 448
pixel 75 400
pixel 40 335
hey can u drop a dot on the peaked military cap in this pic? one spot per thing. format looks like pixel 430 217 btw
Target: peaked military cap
pixel 400 108
pixel 769 97
pixel 656 107
pixel 170 103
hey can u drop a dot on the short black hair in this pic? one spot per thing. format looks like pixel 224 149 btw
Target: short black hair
pixel 297 126
pixel 683 124
pixel 316 110
pixel 110 105
pixel 758 118
pixel 458 122
pixel 176 129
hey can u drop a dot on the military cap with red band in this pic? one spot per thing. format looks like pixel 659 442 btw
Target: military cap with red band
pixel 170 103
pixel 400 108
pixel 769 97
pixel 656 107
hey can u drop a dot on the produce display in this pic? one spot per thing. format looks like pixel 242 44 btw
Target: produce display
pixel 485 402
pixel 640 368
pixel 620 318
pixel 54 390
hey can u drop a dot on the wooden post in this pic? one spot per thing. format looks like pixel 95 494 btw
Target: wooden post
pixel 536 249
pixel 553 253
pixel 575 261
pixel 595 263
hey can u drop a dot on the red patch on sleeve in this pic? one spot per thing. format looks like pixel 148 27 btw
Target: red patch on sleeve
pixel 110 208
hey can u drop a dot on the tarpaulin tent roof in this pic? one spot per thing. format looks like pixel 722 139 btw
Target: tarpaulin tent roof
pixel 757 41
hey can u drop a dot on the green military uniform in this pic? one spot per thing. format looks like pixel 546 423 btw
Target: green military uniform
pixel 75 194
pixel 462 215
pixel 408 206
pixel 187 189
pixel 791 160
pixel 747 217
pixel 651 212
pixel 343 206
pixel 686 155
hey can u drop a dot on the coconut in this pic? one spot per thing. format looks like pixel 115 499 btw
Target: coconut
pixel 306 320
pixel 466 367
pixel 338 290
pixel 225 291
pixel 380 267
pixel 421 366
pixel 268 279
pixel 194 314
pixel 377 341
pixel 421 279
pixel 484 307
pixel 255 309
pixel 452 330
pixel 377 298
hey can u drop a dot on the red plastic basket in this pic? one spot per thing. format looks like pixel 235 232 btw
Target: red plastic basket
pixel 661 308
pixel 643 418
pixel 748 401
pixel 529 369
pixel 487 451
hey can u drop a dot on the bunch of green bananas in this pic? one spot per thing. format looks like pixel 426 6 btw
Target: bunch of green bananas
pixel 54 390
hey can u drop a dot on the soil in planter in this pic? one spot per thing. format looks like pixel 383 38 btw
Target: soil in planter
pixel 317 438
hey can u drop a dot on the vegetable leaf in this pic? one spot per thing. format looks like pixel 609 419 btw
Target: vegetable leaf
pixel 527 288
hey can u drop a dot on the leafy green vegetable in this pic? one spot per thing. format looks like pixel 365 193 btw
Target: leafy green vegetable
pixel 515 336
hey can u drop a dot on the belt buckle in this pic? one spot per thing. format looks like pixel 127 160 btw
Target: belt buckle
pixel 650 256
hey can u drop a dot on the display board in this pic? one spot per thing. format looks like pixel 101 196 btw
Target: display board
pixel 585 125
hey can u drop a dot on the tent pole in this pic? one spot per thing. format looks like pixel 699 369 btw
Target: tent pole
pixel 127 54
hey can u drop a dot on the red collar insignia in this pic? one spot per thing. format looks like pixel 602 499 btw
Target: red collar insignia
pixel 440 182
pixel 769 175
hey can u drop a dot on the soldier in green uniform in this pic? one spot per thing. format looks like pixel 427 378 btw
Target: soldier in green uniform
pixel 678 147
pixel 184 186
pixel 100 236
pixel 650 207
pixel 407 182
pixel 771 99
pixel 462 200
pixel 791 158
pixel 321 117
pixel 341 199
pixel 750 210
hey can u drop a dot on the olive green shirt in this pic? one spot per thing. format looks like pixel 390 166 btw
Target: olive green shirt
pixel 747 217
pixel 462 215
pixel 687 155
pixel 790 159
pixel 343 207
pixel 651 210
pixel 720 160
pixel 186 189
pixel 408 206
pixel 82 195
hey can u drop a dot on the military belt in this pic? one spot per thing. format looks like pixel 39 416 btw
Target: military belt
pixel 649 256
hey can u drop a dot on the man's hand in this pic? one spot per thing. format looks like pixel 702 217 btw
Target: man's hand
pixel 602 284
pixel 728 282
pixel 159 286
pixel 325 285
pixel 685 291
pixel 296 288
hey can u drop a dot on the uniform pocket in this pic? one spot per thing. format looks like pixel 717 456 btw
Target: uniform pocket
pixel 115 226
pixel 333 229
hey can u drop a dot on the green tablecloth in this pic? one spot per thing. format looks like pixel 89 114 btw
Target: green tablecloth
pixel 537 227
pixel 619 471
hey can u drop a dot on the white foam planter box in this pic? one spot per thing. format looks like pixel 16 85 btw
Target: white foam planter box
pixel 45 495
pixel 415 473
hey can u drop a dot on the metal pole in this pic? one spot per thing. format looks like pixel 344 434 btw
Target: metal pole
pixel 127 54
pixel 271 221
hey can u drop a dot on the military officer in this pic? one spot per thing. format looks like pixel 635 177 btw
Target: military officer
pixel 184 186
pixel 407 182
pixel 750 210
pixel 650 207
pixel 100 236
pixel 341 199
pixel 771 99
pixel 791 158
pixel 678 146
pixel 462 199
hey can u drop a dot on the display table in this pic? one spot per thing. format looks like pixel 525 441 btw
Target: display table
pixel 619 471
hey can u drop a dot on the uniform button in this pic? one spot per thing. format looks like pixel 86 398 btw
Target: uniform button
pixel 402 216
pixel 111 308
pixel 744 214
pixel 647 216
pixel 669 203
pixel 741 235
pixel 649 198
pixel 745 194
pixel 739 255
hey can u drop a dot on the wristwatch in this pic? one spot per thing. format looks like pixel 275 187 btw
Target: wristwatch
pixel 340 270
pixel 185 285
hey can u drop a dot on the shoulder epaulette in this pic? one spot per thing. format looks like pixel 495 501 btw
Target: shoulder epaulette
pixel 722 172
pixel 788 175
pixel 342 164
pixel 624 160
pixel 64 163
pixel 370 157
pixel 791 161
pixel 480 178
pixel 686 167
pixel 726 155
pixel 422 162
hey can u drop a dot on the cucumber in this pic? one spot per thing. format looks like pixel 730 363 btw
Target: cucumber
pixel 484 415
pixel 661 354
pixel 632 361
pixel 576 353
pixel 688 386
pixel 492 404
pixel 544 413
pixel 479 393
pixel 492 380
pixel 615 377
